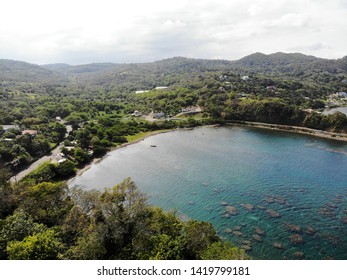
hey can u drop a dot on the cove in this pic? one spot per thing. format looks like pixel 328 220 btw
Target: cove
pixel 276 194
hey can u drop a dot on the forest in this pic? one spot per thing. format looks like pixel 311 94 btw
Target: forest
pixel 90 109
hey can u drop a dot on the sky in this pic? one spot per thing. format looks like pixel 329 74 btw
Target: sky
pixel 91 31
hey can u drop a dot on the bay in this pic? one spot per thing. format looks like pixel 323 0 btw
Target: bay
pixel 278 195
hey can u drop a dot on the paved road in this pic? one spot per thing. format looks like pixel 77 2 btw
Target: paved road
pixel 36 164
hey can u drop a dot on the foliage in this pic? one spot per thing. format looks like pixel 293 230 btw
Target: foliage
pixel 223 251
pixel 46 202
pixel 40 246
pixel 15 228
pixel 52 222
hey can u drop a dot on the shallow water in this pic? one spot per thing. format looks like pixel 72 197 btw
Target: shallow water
pixel 286 189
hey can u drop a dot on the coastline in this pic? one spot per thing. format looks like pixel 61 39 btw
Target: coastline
pixel 153 133
pixel 277 127
pixel 96 160
pixel 293 129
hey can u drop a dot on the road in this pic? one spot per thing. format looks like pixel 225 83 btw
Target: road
pixel 36 164
pixel 53 155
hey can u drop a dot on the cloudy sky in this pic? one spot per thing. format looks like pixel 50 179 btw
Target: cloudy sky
pixel 84 31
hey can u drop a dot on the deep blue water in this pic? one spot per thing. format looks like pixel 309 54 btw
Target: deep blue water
pixel 253 174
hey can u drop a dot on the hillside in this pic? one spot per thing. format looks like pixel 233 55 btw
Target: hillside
pixel 136 76
pixel 277 62
pixel 22 72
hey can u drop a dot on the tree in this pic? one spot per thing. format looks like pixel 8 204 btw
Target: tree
pixel 47 203
pixel 198 235
pixel 223 251
pixel 65 169
pixel 7 197
pixel 89 246
pixel 58 131
pixel 81 156
pixel 123 211
pixel 41 246
pixel 15 228
pixel 166 248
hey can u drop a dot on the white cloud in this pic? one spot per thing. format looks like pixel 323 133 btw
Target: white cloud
pixel 77 31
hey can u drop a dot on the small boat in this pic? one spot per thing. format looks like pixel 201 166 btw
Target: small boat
pixel 153 146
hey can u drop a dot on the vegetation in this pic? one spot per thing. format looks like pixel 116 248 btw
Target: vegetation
pixel 87 110
pixel 48 221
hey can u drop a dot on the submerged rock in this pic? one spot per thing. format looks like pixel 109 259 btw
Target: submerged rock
pixel 280 200
pixel 269 200
pixel 273 213
pixel 237 228
pixel 338 199
pixel 335 240
pixel 328 210
pixel 259 231
pixel 247 242
pixel 237 233
pixel 247 206
pixel 228 230
pixel 257 237
pixel 296 239
pixel 292 228
pixel 224 203
pixel 310 230
pixel 278 245
pixel 231 210
pixel 247 248
pixel 261 207
pixel 299 255
pixel 344 220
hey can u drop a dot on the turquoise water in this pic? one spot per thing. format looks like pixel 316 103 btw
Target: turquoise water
pixel 276 194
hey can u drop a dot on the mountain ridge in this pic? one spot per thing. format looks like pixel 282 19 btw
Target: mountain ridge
pixel 103 73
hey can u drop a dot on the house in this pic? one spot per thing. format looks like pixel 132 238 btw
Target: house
pixel 32 133
pixel 192 109
pixel 158 115
pixel 161 88
pixel 271 88
pixel 6 127
pixel 136 113
pixel 245 78
pixel 141 91
pixel 341 94
pixel 221 89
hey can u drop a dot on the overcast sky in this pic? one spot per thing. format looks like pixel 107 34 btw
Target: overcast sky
pixel 85 31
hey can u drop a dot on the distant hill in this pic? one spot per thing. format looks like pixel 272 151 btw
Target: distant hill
pixel 78 69
pixel 291 63
pixel 23 72
pixel 139 76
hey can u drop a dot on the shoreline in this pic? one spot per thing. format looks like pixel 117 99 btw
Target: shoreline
pixel 293 129
pixel 276 127
pixel 286 128
pixel 153 133
pixel 96 160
